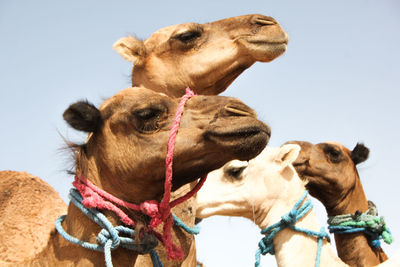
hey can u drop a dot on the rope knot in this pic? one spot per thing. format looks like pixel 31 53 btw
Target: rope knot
pixel 290 218
pixel 266 246
pixel 104 238
pixel 151 208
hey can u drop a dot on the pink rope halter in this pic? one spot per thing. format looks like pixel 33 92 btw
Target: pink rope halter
pixel 94 197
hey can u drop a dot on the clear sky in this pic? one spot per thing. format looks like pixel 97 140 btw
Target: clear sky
pixel 339 80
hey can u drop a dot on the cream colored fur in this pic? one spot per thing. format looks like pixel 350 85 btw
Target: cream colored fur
pixel 269 185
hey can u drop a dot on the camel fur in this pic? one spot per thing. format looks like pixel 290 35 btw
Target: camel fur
pixel 330 170
pixel 205 57
pixel 125 156
pixel 263 190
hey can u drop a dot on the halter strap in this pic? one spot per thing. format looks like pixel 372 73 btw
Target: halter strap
pixel 266 245
pixel 367 222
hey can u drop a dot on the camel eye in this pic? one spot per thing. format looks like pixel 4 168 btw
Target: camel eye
pixel 147 114
pixel 235 172
pixel 149 120
pixel 333 154
pixel 188 36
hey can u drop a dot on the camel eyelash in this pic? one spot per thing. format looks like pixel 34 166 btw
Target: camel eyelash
pixel 189 35
pixel 148 119
pixel 149 127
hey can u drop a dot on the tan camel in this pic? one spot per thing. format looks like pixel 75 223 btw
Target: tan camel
pixel 128 134
pixel 206 57
pixel 26 222
pixel 331 173
pixel 264 190
pixel 257 26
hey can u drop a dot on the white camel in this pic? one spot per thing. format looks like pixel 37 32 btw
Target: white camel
pixel 263 190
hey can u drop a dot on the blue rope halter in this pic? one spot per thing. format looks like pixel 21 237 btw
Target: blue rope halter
pixel 266 245
pixel 108 239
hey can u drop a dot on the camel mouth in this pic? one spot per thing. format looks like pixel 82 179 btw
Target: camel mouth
pixel 301 166
pixel 264 49
pixel 264 41
pixel 245 142
pixel 240 142
pixel 244 132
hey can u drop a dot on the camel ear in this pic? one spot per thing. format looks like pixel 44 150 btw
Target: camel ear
pixel 83 116
pixel 288 153
pixel 360 153
pixel 131 49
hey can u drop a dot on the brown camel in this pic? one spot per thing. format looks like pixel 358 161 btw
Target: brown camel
pixel 206 57
pixel 258 41
pixel 125 156
pixel 331 173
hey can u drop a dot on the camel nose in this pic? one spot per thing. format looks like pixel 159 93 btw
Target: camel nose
pixel 239 109
pixel 263 20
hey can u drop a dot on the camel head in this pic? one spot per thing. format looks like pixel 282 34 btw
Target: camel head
pixel 206 57
pixel 329 169
pixel 250 189
pixel 128 135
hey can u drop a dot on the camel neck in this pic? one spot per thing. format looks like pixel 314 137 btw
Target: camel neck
pixel 354 200
pixel 293 246
pixel 354 249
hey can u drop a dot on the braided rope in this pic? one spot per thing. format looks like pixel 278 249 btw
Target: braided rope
pixel 109 237
pixel 266 245
pixel 367 222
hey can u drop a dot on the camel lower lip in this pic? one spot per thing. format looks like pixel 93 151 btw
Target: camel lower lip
pixel 266 42
pixel 244 132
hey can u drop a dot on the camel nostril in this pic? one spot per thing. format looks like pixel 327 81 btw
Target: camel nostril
pixel 263 20
pixel 238 111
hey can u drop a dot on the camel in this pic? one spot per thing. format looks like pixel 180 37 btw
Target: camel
pixel 216 81
pixel 331 174
pixel 125 156
pixel 263 190
pixel 205 57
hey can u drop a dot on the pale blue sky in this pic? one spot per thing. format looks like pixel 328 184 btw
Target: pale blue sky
pixel 339 80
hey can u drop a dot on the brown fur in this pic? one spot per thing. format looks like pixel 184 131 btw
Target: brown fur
pixel 206 57
pixel 128 160
pixel 331 173
pixel 28 210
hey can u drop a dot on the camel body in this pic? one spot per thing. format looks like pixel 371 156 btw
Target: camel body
pixel 28 209
pixel 263 190
pixel 331 174
pixel 141 119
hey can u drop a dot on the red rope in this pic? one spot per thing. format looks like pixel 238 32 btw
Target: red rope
pixel 93 197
